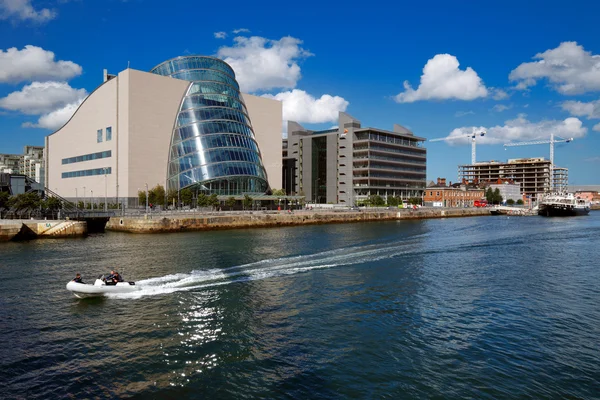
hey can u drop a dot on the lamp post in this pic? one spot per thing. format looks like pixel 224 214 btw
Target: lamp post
pixel 84 197
pixel 92 202
pixel 105 190
pixel 146 198
pixel 77 202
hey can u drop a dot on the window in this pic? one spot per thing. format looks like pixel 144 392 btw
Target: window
pixel 99 138
pixel 87 157
pixel 437 193
pixel 87 172
pixel 109 133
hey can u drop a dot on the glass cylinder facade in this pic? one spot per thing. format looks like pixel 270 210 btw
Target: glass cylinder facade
pixel 213 148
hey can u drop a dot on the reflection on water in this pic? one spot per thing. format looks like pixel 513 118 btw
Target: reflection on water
pixel 474 307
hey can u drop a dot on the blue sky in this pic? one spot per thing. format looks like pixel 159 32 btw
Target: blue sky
pixel 519 70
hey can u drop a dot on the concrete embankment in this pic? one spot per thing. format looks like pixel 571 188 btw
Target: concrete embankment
pixel 182 223
pixel 38 229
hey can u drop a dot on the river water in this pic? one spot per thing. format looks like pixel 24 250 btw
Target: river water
pixel 482 307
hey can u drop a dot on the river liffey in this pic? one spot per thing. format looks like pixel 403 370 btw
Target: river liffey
pixel 482 307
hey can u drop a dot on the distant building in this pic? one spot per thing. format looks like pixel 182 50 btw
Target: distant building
pixel 9 163
pixel 455 195
pixel 349 163
pixel 532 174
pixel 30 163
pixel 508 191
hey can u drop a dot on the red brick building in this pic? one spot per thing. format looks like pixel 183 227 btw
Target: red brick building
pixel 457 195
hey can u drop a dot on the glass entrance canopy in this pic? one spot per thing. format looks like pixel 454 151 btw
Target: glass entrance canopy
pixel 213 148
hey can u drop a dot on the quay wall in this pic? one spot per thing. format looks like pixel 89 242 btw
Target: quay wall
pixel 182 223
pixel 37 229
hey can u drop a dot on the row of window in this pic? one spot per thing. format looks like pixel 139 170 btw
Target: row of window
pixel 213 100
pixel 211 141
pixel 213 156
pixel 390 167
pixel 207 128
pixel 395 159
pixel 388 176
pixel 378 137
pixel 87 157
pixel 192 62
pixel 87 172
pixel 213 171
pixel 390 150
pixel 213 88
pixel 214 113
pixel 205 75
pixel 108 135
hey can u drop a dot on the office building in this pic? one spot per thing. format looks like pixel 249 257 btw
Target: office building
pixel 185 124
pixel 349 163
pixel 532 174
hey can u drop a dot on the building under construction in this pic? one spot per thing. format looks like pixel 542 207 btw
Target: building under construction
pixel 532 174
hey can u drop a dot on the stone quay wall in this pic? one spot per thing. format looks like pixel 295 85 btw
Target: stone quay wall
pixel 223 220
pixel 38 229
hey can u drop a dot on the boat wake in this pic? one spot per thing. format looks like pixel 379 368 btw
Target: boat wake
pixel 264 269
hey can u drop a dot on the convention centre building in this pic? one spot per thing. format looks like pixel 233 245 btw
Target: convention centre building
pixel 184 124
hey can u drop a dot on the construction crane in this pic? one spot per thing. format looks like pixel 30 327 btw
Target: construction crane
pixel 551 141
pixel 473 137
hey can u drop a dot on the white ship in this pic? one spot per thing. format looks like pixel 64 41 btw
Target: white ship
pixel 563 205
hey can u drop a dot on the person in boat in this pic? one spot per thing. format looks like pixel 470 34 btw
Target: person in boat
pixel 117 277
pixel 78 279
pixel 113 278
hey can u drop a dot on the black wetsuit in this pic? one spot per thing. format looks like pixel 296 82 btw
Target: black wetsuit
pixel 78 280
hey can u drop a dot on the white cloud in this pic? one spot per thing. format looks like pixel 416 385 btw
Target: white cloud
pixel 569 68
pixel 442 79
pixel 220 35
pixel 56 118
pixel 592 159
pixel 263 64
pixel 34 63
pixel 42 97
pixel 596 127
pixel 241 30
pixel 501 107
pixel 499 94
pixel 22 10
pixel 519 129
pixel 301 107
pixel 589 110
pixel 463 113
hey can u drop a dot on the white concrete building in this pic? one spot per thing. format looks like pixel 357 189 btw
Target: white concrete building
pixel 140 128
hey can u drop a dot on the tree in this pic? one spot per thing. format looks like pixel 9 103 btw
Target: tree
pixel 278 192
pixel 186 196
pixel 376 200
pixel 510 202
pixel 202 200
pixel 157 195
pixel 489 195
pixel 414 200
pixel 497 197
pixel 26 202
pixel 247 201
pixel 172 196
pixel 393 201
pixel 4 200
pixel 230 202
pixel 520 202
pixel 142 198
pixel 213 200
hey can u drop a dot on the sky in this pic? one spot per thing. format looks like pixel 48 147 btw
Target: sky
pixel 518 70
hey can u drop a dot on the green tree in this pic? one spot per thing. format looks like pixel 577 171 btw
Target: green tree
pixel 497 197
pixel 393 201
pixel 230 202
pixel 157 195
pixel 376 200
pixel 278 192
pixel 186 196
pixel 202 200
pixel 520 202
pixel 172 196
pixel 4 200
pixel 142 198
pixel 489 195
pixel 414 200
pixel 26 202
pixel 247 201
pixel 510 202
pixel 213 200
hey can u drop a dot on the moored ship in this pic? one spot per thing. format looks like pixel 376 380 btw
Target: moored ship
pixel 563 205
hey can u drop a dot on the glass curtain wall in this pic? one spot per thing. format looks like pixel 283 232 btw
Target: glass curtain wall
pixel 213 148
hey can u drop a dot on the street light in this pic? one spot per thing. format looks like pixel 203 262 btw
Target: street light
pixel 84 197
pixel 92 202
pixel 105 190
pixel 146 198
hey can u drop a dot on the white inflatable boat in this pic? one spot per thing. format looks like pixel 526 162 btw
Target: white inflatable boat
pixel 99 288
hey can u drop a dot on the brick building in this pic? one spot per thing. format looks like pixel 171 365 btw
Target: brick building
pixel 454 195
